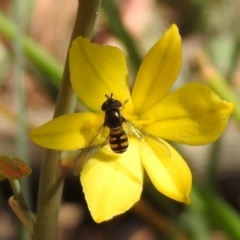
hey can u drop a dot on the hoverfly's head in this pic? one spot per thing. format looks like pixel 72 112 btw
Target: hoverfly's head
pixel 110 103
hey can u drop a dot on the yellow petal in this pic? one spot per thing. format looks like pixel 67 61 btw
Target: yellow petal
pixel 169 174
pixel 67 132
pixel 98 70
pixel 158 71
pixel 112 183
pixel 192 115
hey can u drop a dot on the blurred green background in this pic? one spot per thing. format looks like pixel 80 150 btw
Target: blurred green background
pixel 34 37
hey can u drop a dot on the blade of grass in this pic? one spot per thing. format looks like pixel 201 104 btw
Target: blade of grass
pixel 36 54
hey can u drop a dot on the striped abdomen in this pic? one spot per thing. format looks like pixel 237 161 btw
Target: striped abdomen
pixel 118 140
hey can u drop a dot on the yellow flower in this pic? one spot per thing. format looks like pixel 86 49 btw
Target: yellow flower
pixel 192 115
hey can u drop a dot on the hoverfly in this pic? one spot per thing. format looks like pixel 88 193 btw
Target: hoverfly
pixel 115 131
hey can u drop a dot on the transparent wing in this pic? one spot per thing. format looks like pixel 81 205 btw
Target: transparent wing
pixel 99 139
pixel 156 144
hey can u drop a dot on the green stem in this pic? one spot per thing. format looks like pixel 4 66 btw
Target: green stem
pixel 21 141
pixel 20 101
pixel 52 176
pixel 18 194
pixel 45 62
pixel 20 208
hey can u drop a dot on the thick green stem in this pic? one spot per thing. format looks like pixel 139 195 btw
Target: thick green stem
pixel 52 176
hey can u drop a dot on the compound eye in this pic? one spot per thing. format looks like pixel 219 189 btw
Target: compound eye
pixel 117 104
pixel 104 106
